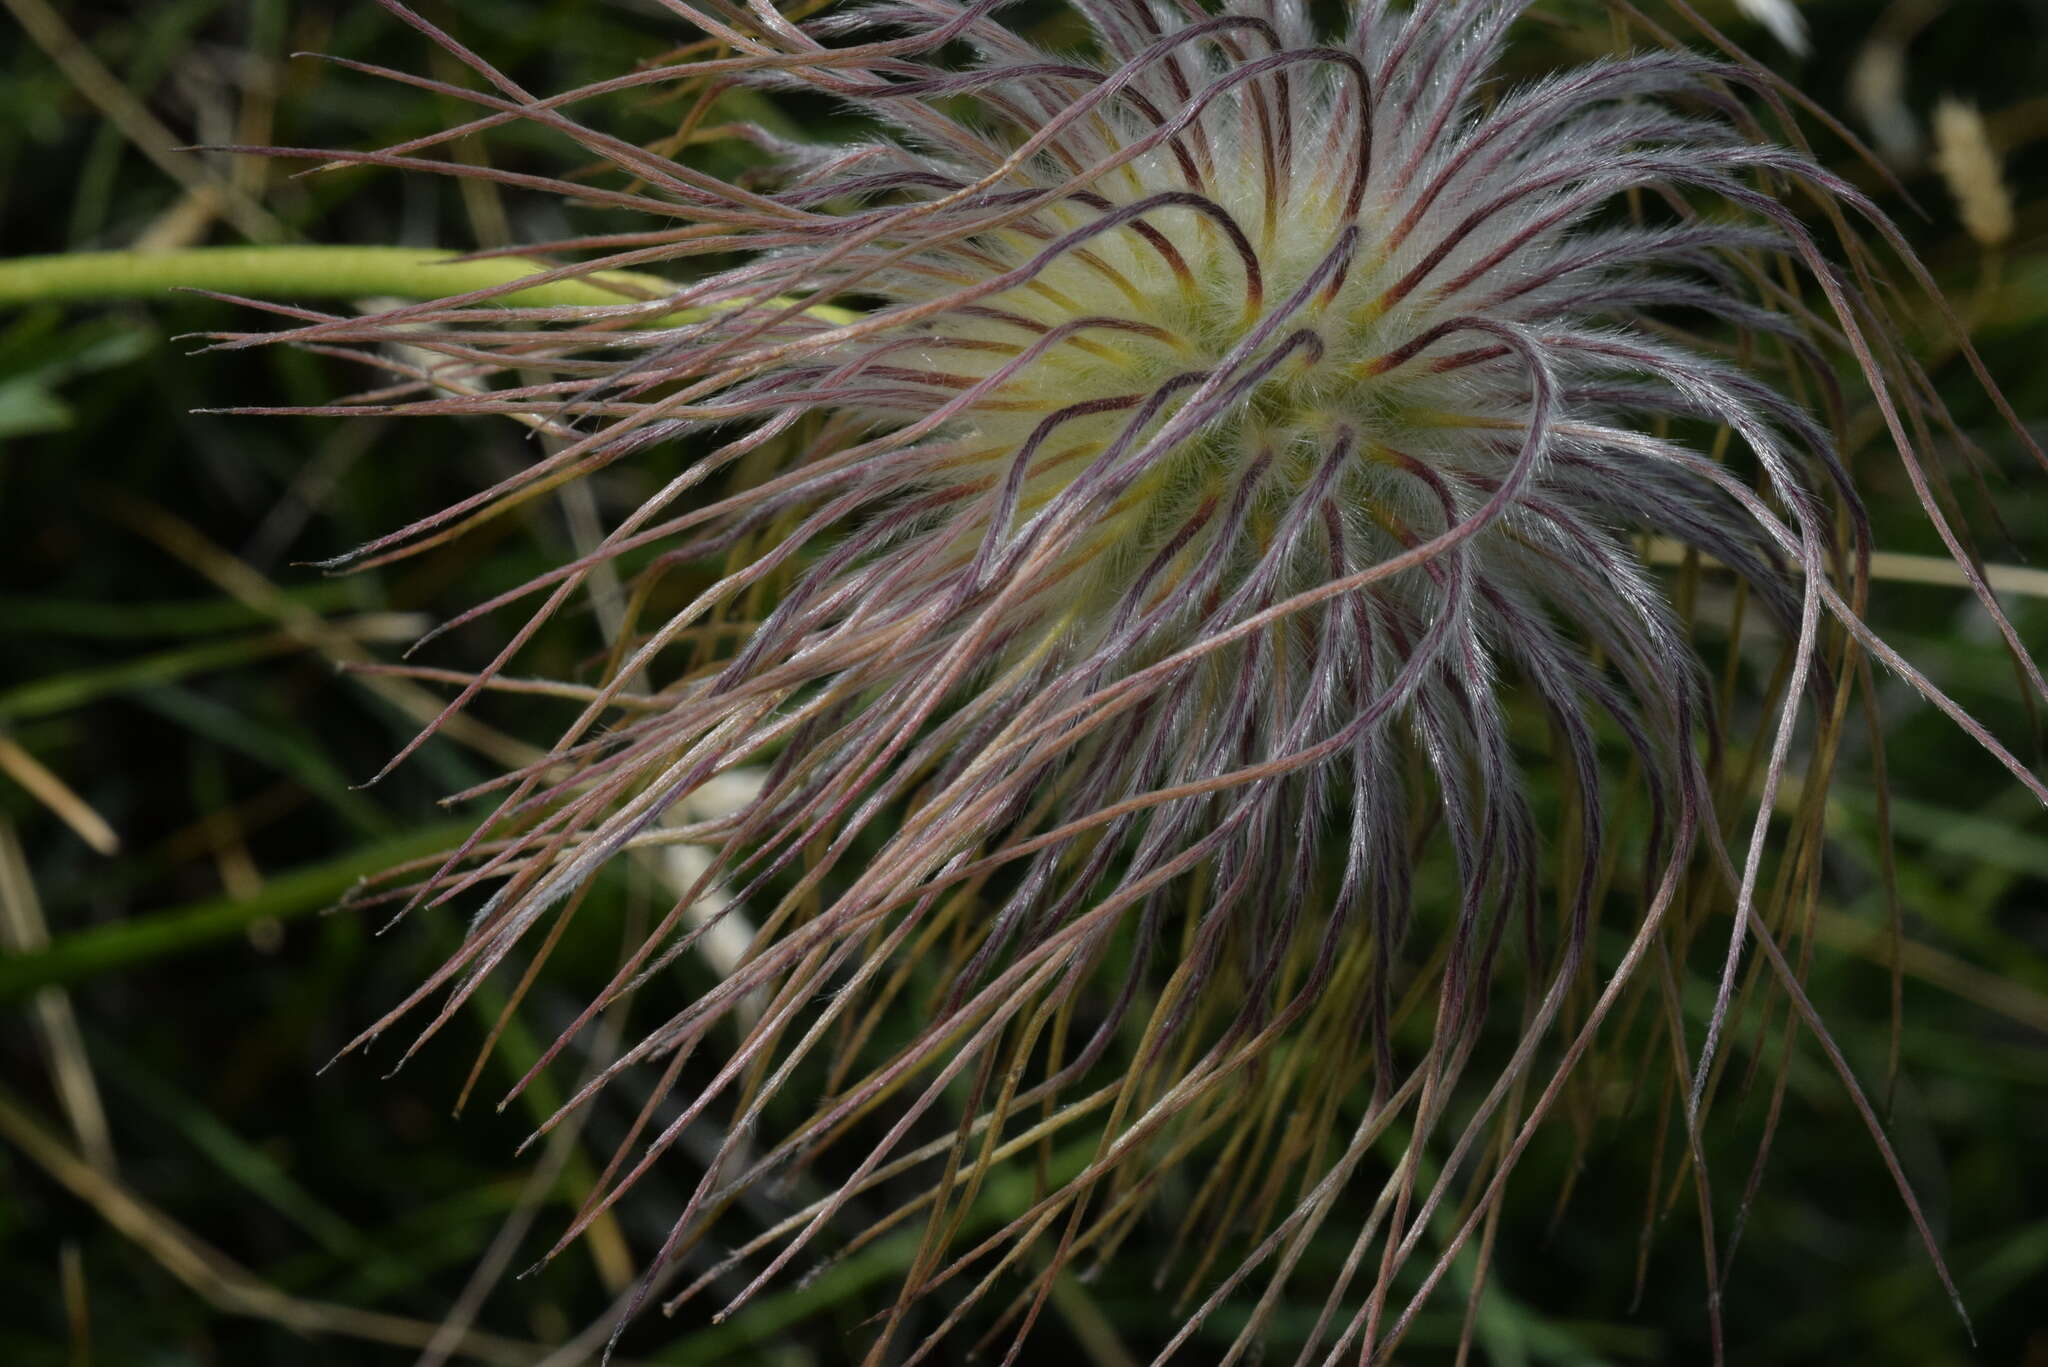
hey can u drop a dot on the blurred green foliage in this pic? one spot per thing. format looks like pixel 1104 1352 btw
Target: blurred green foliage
pixel 207 725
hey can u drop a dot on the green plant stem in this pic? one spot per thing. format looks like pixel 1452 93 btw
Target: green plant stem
pixel 88 953
pixel 323 273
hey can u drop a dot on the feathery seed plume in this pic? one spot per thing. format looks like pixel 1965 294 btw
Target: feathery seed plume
pixel 1184 499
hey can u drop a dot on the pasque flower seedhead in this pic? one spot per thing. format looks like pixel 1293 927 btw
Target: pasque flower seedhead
pixel 1188 502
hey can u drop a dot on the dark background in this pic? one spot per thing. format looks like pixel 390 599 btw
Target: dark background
pixel 163 652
